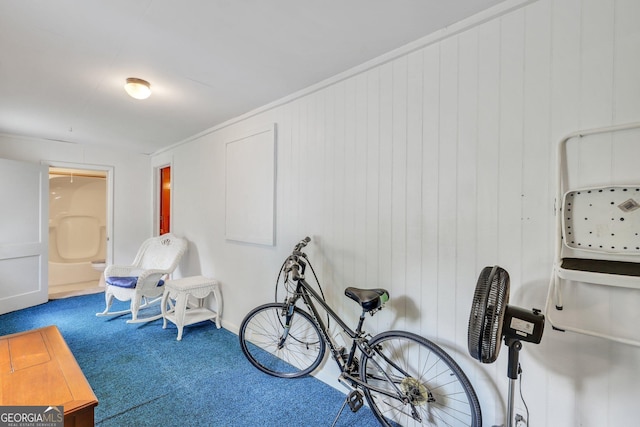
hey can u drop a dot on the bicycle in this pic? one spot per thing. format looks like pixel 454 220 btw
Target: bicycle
pixel 405 378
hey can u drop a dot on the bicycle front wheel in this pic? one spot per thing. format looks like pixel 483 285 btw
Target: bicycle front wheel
pixel 282 352
pixel 413 382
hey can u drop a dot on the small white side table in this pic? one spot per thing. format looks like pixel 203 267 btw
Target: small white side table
pixel 179 290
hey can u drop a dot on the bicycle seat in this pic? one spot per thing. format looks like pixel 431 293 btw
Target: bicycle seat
pixel 369 299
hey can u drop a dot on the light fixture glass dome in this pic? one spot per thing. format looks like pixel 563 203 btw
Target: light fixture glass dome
pixel 137 88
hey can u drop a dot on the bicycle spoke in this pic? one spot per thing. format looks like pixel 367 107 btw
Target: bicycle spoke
pixel 430 388
pixel 261 338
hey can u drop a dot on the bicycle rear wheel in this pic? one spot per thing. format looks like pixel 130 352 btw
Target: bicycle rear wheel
pixel 410 367
pixel 263 341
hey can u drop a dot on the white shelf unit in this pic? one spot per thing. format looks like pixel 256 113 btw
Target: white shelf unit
pixel 184 314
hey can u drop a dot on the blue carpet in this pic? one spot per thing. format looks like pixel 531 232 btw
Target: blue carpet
pixel 143 376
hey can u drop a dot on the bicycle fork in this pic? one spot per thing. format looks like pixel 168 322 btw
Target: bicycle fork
pixel 287 312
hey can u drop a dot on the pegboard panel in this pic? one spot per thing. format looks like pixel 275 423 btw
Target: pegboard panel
pixel 602 219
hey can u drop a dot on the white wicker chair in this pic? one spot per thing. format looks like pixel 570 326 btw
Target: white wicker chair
pixel 142 282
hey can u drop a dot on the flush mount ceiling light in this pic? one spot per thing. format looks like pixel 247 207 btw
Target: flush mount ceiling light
pixel 137 88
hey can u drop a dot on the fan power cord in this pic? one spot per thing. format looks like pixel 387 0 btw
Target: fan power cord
pixel 520 421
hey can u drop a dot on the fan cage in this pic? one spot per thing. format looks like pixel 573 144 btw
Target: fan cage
pixel 487 314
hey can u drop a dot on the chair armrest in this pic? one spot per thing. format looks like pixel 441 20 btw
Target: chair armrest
pixel 150 278
pixel 146 278
pixel 121 271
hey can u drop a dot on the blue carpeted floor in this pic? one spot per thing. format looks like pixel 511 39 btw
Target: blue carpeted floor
pixel 143 376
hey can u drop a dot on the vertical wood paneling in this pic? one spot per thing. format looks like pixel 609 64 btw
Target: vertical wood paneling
pixel 371 213
pixel 385 207
pixel 349 185
pixel 595 160
pixel 430 194
pixel 510 159
pixel 539 151
pixel 626 66
pixel 413 257
pixel 447 181
pixel 360 193
pixel 488 143
pixel 510 156
pixel 537 183
pixel 565 60
pixel 466 273
pixel 565 107
pixel 300 167
pixel 337 240
pixel 596 63
pixel 317 167
pixel 327 192
pixel 596 106
pixel 399 189
pixel 487 164
pixel 294 167
pixel 419 172
pixel 312 207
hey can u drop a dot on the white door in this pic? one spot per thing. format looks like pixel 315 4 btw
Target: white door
pixel 24 234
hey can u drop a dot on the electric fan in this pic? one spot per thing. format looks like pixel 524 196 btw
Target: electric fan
pixel 492 318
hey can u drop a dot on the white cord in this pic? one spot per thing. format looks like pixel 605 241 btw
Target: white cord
pixel 519 420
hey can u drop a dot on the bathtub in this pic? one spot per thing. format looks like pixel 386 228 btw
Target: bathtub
pixel 77 232
pixel 67 273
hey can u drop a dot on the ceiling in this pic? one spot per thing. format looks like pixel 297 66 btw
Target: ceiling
pixel 63 63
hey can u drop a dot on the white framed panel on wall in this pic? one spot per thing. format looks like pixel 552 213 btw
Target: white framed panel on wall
pixel 250 178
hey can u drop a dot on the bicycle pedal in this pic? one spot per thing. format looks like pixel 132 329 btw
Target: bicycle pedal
pixel 355 401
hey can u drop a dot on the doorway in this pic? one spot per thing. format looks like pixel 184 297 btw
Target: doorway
pixel 165 200
pixel 78 230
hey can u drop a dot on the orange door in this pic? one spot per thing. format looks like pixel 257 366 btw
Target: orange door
pixel 165 200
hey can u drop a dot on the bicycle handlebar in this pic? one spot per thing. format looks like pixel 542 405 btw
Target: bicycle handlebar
pixel 301 244
pixel 291 265
pixel 297 249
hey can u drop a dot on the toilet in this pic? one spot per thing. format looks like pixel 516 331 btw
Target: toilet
pixel 99 265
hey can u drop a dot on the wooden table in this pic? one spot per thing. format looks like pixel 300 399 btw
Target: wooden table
pixel 38 369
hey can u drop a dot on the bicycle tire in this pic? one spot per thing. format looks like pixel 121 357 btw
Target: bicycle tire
pixel 435 386
pixel 261 331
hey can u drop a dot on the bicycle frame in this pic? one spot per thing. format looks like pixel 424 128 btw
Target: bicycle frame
pixel 358 336
pixel 405 378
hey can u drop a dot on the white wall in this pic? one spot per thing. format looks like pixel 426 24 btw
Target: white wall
pixel 132 185
pixel 415 173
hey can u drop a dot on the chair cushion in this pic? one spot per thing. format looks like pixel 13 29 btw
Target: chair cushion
pixel 128 282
